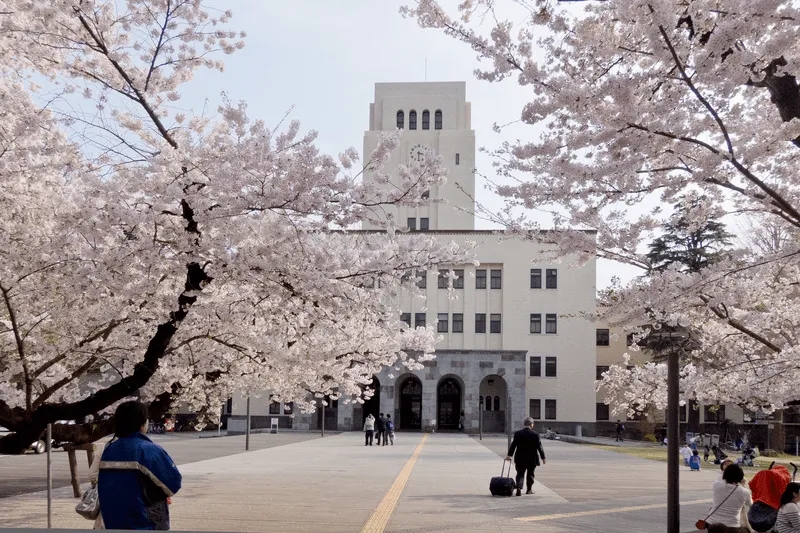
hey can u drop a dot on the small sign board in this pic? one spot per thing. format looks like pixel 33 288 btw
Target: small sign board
pixel 273 425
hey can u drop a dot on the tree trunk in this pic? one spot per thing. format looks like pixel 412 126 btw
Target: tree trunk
pixel 27 426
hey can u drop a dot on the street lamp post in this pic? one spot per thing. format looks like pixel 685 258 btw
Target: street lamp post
pixel 322 423
pixel 673 505
pixel 670 340
pixel 480 418
pixel 247 429
pixel 509 420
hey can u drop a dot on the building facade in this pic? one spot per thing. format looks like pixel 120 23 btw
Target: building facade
pixel 514 331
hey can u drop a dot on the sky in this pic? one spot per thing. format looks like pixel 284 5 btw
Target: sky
pixel 319 60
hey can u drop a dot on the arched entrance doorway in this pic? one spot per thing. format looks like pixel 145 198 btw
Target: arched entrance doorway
pixel 410 403
pixel 448 401
pixel 372 406
pixel 494 392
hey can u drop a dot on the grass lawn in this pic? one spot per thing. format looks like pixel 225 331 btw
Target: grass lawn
pixel 660 454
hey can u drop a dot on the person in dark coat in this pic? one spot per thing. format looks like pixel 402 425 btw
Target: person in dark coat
pixel 526 448
pixel 136 476
pixel 380 430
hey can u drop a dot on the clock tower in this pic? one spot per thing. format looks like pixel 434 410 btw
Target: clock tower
pixel 434 117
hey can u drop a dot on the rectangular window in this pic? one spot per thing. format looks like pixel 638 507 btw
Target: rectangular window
pixel 423 224
pixel 275 408
pixel 422 283
pixel 419 320
pixel 441 322
pixel 458 283
pixel 458 159
pixel 480 322
pixel 552 278
pixel 412 223
pixel 496 279
pixel 426 195
pixel 494 323
pixel 405 317
pixel 714 413
pixel 682 413
pixel 550 324
pixel 536 366
pixel 458 322
pixel 287 408
pixel 601 412
pixel 536 278
pixel 603 337
pixel 535 409
pixel 599 371
pixel 550 367
pixel 480 278
pixel 549 409
pixel 536 322
pixel 443 279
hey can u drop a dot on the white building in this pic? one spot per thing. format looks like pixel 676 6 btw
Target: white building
pixel 513 332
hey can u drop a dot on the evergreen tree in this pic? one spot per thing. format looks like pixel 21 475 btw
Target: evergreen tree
pixel 693 246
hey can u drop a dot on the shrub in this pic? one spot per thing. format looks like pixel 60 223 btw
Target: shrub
pixel 650 438
pixel 769 453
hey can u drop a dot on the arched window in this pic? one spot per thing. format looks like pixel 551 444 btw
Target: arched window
pixel 412 120
pixel 401 119
pixel 437 119
pixel 426 120
pixel 480 403
pixel 497 403
pixel 488 403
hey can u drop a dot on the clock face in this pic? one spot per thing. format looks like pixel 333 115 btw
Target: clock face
pixel 418 151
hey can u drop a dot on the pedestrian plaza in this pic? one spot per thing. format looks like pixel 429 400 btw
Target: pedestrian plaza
pixel 425 483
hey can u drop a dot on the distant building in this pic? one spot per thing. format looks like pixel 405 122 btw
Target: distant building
pixel 516 331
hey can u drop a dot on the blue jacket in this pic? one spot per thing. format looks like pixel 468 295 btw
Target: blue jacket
pixel 136 477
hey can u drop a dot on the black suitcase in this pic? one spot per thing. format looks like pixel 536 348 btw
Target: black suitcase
pixel 503 486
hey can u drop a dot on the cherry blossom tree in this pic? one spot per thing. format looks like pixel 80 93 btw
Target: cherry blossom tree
pixel 633 105
pixel 150 252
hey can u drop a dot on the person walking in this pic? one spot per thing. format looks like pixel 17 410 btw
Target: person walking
pixel 136 476
pixel 620 429
pixel 369 430
pixel 686 453
pixel 380 430
pixel 526 448
pixel 390 428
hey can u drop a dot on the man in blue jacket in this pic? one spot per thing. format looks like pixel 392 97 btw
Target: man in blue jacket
pixel 136 475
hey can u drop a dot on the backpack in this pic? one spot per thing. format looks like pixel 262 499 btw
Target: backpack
pixel 390 425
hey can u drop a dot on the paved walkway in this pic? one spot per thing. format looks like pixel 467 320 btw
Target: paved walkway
pixel 422 484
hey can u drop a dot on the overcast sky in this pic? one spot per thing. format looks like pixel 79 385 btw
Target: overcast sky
pixel 320 59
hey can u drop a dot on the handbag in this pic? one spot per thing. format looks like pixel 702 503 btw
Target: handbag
pixel 89 506
pixel 702 524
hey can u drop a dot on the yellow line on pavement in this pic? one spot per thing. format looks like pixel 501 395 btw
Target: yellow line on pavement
pixel 542 518
pixel 380 517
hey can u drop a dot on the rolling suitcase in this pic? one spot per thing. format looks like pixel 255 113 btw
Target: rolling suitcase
pixel 503 485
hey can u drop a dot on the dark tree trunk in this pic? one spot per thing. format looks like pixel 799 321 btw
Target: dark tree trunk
pixel 27 426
